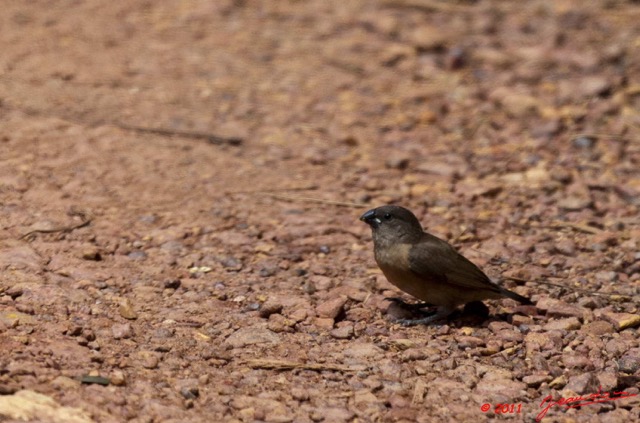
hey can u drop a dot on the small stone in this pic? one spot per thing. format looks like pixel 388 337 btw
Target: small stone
pixel 572 360
pixel 402 344
pixel 588 302
pixel 557 308
pixel 298 315
pixel 598 328
pixel 500 389
pixel 630 362
pixel 363 350
pixel 300 394
pixel 270 307
pixel 566 247
pixel 148 359
pixel 622 321
pixel 324 322
pixel 510 335
pixel 121 331
pixel 583 384
pixel 231 263
pixel 469 342
pixel 172 283
pixel 331 308
pixel 91 253
pixel 558 382
pixel 268 270
pixel 118 378
pixel 574 203
pixel 534 381
pixel 570 323
pixel 520 320
pixel 398 162
pixel 584 142
pixel 592 86
pixel 252 335
pixel 321 283
pixel 607 380
pixel 334 414
pixel 190 392
pixel 344 332
pixel 126 310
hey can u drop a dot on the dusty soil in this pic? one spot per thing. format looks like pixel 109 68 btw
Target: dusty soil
pixel 162 257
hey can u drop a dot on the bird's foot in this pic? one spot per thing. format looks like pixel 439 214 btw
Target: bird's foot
pixel 408 306
pixel 434 317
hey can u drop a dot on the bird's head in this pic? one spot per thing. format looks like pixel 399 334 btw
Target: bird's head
pixel 392 223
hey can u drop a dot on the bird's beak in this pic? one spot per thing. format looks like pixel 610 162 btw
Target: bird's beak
pixel 371 219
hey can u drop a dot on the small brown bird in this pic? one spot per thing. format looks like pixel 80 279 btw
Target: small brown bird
pixel 425 266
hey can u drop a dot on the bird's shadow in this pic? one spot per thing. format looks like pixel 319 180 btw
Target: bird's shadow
pixel 474 314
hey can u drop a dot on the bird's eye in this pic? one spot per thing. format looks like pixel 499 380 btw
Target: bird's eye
pixel 387 216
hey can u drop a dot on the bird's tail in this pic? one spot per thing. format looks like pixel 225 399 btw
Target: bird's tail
pixel 519 298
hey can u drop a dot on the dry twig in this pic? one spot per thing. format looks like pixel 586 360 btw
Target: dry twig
pixel 64 229
pixel 312 200
pixel 577 226
pixel 211 138
pixel 292 365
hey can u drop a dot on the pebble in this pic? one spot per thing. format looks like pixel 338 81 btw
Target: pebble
pixel 499 389
pixel 630 362
pixel 469 341
pixel 321 283
pixel 566 247
pixel 598 328
pixel 126 310
pixel 570 323
pixel 118 378
pixel 91 253
pixel 622 321
pixel 574 203
pixel 584 142
pixel 148 359
pixel 534 381
pixel 399 162
pixel 363 350
pixel 121 331
pixel 231 263
pixel 572 360
pixel 252 335
pixel 343 332
pixel 331 308
pixel 270 307
pixel 585 383
pixel 558 382
pixel 324 322
pixel 557 308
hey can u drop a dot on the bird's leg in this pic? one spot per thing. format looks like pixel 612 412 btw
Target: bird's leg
pixel 442 313
pixel 407 306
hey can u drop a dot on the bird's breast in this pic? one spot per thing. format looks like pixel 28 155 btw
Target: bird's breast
pixel 394 262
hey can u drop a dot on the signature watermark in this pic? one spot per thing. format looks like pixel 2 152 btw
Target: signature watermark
pixel 582 400
pixel 570 402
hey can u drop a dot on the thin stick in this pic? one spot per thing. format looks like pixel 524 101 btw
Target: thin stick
pixel 211 138
pixel 65 229
pixel 515 279
pixel 577 226
pixel 258 191
pixel 312 200
pixel 292 365
pixel 428 5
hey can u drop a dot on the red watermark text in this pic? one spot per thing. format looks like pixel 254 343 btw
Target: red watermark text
pixel 582 400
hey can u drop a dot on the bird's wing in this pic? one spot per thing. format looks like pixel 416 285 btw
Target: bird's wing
pixel 433 258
